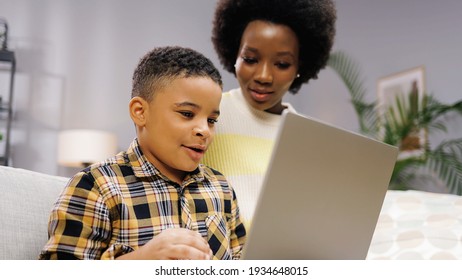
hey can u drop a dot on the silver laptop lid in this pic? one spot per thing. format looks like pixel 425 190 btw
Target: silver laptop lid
pixel 322 193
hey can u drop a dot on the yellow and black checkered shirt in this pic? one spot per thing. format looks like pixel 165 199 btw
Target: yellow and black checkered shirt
pixel 114 207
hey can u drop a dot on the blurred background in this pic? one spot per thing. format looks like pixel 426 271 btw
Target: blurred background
pixel 75 61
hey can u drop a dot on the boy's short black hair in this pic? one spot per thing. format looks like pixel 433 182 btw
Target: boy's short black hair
pixel 163 64
pixel 313 21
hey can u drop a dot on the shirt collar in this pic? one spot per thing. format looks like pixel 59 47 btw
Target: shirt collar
pixel 143 168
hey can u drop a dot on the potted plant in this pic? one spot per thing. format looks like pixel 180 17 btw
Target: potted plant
pixel 398 124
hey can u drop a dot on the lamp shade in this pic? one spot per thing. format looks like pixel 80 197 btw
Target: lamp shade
pixel 81 147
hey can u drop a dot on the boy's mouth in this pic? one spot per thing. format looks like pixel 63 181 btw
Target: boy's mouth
pixel 195 152
pixel 197 148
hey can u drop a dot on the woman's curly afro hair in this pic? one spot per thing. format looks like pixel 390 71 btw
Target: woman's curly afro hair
pixel 312 20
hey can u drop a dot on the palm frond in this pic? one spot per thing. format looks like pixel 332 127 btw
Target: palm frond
pixel 404 173
pixel 349 73
pixel 435 109
pixel 448 169
pixel 400 123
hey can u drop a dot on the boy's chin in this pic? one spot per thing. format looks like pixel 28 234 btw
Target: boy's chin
pixel 192 168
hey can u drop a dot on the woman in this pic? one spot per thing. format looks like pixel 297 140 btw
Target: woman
pixel 272 47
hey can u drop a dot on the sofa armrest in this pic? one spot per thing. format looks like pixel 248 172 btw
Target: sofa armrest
pixel 26 201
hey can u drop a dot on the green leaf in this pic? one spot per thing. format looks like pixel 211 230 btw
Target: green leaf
pixel 407 115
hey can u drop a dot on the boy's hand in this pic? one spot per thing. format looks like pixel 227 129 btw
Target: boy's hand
pixel 173 244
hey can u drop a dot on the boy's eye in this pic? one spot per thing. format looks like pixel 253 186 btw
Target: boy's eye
pixel 187 114
pixel 212 121
pixel 249 60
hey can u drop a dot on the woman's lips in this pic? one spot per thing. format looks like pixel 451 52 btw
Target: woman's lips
pixel 260 96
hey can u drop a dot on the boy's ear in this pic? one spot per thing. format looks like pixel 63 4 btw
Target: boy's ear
pixel 138 108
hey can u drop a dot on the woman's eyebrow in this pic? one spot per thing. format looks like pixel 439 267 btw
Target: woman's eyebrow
pixel 281 53
pixel 286 53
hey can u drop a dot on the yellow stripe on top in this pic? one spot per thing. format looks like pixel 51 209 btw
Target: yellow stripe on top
pixel 245 155
pixel 242 147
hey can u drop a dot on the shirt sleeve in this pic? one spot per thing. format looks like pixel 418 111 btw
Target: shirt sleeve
pixel 238 232
pixel 116 250
pixel 79 226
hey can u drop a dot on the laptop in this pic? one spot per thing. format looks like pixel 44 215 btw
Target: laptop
pixel 322 194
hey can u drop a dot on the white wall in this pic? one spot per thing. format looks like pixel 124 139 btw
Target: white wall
pixel 75 60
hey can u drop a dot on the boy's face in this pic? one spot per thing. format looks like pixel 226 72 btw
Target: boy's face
pixel 179 124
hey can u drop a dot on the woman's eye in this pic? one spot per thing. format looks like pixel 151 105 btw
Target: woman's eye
pixel 283 65
pixel 249 60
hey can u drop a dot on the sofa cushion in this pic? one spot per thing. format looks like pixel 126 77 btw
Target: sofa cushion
pixel 26 200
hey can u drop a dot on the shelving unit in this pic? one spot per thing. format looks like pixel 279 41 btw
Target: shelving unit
pixel 8 65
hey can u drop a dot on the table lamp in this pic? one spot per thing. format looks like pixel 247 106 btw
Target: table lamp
pixel 82 147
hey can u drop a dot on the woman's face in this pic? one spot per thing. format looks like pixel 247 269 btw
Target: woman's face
pixel 267 64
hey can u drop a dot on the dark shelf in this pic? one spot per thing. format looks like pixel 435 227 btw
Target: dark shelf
pixel 6 55
pixel 4 107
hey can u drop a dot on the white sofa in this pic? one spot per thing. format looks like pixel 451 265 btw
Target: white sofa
pixel 26 199
pixel 412 224
pixel 418 225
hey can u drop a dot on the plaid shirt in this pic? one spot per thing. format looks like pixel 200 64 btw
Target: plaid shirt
pixel 114 207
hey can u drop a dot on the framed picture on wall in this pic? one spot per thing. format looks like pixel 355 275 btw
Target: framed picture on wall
pixel 400 97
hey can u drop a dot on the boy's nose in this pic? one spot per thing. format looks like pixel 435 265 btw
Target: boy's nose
pixel 201 131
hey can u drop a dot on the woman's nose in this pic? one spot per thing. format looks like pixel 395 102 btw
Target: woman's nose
pixel 264 74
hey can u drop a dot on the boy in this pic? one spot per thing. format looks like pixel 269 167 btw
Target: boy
pixel 155 201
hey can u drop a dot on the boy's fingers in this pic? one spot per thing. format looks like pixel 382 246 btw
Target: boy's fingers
pixel 189 244
pixel 182 251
